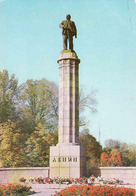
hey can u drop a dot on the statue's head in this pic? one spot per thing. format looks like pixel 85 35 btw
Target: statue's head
pixel 68 17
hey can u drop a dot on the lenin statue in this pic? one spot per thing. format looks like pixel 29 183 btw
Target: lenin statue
pixel 68 31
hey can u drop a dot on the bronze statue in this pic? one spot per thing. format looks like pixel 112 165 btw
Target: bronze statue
pixel 68 31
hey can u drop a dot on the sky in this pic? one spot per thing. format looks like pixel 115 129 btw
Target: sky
pixel 31 42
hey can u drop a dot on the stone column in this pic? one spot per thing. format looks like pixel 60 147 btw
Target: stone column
pixel 67 158
pixel 68 97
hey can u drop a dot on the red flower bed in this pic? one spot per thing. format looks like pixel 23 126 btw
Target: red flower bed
pixel 14 189
pixel 84 190
pixel 22 179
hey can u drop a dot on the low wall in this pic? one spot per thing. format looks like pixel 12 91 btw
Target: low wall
pixel 12 175
pixel 127 174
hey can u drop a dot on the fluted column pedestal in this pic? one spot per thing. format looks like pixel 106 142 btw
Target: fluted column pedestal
pixel 67 158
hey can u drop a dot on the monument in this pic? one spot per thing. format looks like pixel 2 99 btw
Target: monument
pixel 67 158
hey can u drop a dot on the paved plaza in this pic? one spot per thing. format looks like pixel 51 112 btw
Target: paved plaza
pixel 47 190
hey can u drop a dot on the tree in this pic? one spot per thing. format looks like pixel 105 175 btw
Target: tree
pixel 8 90
pixel 115 159
pixel 110 144
pixel 38 103
pixel 104 159
pixel 29 116
pixel 93 149
pixel 12 152
pixel 16 151
pixel 127 151
pixel 38 145
pixel 112 159
pixel 86 102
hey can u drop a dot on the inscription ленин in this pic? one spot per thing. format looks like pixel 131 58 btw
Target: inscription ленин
pixel 64 159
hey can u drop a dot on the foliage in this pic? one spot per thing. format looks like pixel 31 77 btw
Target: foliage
pixel 110 144
pixel 38 103
pixel 59 180
pixel 96 190
pixel 8 90
pixel 100 178
pixel 92 178
pixel 1 192
pixel 29 124
pixel 12 152
pixel 81 180
pixel 16 151
pixel 65 180
pixel 112 181
pixel 126 152
pixel 15 190
pixel 22 179
pixel 93 149
pixel 37 146
pixel 39 180
pixel 113 159
pixel 86 102
pixel 104 159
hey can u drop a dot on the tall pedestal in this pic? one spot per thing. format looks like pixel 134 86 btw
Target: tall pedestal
pixel 67 158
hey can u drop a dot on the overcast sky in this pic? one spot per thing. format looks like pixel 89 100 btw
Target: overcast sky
pixel 31 41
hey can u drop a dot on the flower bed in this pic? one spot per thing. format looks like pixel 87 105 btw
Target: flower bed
pixel 82 190
pixel 22 179
pixel 59 180
pixel 15 190
pixel 112 181
pixel 64 180
pixel 105 181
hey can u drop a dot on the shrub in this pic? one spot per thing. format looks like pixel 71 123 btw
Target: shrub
pixel 22 179
pixel 15 190
pixel 96 191
pixel 39 180
pixel 1 192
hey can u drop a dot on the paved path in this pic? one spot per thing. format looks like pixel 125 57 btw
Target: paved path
pixel 46 192
pixel 42 190
pixel 47 189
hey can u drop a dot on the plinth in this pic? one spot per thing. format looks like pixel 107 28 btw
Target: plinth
pixel 67 158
